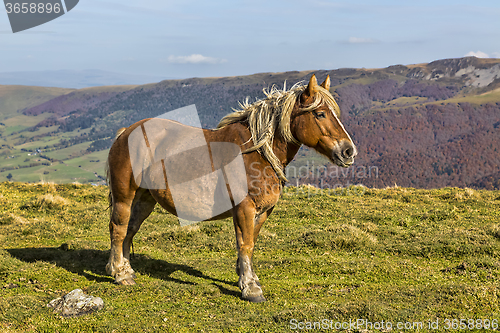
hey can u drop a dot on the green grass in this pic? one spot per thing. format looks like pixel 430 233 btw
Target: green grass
pixel 23 121
pixel 13 139
pixel 488 97
pixel 401 101
pixel 68 153
pixel 14 98
pixel 46 141
pixel 93 162
pixel 13 131
pixel 56 172
pixel 81 169
pixel 396 254
pixel 39 132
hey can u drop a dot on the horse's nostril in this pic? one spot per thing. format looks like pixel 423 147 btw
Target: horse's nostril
pixel 347 153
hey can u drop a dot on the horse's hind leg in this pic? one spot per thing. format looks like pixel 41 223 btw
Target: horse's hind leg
pixel 143 205
pixel 118 266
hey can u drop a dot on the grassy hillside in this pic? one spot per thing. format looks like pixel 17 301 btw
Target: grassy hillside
pixel 392 255
pixel 14 98
pixel 31 153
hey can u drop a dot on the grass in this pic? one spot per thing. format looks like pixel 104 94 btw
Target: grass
pixel 484 98
pixel 56 172
pixel 21 121
pixel 70 152
pixel 399 102
pixel 397 254
pixel 93 162
pixel 76 167
pixel 14 98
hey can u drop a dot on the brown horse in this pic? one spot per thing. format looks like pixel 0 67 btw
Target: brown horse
pixel 270 132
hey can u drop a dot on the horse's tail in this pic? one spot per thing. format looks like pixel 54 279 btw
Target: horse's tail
pixel 106 169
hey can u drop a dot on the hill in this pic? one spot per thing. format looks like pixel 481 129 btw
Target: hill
pixel 14 98
pixel 426 125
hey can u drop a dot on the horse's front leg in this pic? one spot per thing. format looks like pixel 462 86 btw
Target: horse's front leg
pixel 244 218
pixel 259 221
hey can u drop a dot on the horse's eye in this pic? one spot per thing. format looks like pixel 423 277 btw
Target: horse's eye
pixel 320 115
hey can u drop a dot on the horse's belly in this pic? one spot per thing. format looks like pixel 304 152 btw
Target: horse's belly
pixel 196 202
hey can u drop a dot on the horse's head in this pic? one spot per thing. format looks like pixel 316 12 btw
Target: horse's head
pixel 316 123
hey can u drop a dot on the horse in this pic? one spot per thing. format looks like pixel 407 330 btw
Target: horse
pixel 270 132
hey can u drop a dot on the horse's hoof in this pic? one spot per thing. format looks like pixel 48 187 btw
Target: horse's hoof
pixel 126 282
pixel 256 299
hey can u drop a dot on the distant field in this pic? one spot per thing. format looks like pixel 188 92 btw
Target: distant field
pixel 18 156
pixel 14 98
pixel 399 102
pixel 397 255
pixel 489 97
pixel 93 162
pixel 67 153
pixel 13 138
pixel 58 173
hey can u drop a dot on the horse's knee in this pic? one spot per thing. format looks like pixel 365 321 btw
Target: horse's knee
pixel 117 232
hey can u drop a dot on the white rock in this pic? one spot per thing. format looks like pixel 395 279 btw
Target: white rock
pixel 76 303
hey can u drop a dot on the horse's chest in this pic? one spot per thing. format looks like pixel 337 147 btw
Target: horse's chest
pixel 266 201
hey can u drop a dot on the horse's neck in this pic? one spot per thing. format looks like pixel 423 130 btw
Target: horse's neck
pixel 284 151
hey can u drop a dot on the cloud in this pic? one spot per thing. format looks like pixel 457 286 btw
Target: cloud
pixel 195 59
pixel 478 54
pixel 357 40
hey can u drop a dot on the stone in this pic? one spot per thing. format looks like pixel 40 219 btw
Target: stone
pixel 76 303
pixel 10 286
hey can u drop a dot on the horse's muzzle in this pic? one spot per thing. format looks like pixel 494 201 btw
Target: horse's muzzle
pixel 343 155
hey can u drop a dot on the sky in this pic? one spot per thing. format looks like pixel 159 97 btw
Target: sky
pixel 181 39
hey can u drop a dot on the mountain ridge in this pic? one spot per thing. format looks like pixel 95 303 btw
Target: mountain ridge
pixel 75 79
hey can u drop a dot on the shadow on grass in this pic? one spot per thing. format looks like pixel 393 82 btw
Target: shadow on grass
pixel 91 265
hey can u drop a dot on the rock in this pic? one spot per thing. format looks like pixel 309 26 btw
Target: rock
pixel 10 286
pixel 76 303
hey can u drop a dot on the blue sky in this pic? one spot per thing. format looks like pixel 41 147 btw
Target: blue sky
pixel 224 38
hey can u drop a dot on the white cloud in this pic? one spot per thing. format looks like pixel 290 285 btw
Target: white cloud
pixel 357 40
pixel 195 59
pixel 478 54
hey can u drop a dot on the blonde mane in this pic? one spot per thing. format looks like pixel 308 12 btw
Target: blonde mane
pixel 274 112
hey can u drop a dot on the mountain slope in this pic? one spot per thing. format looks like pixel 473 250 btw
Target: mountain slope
pixel 14 98
pixel 427 125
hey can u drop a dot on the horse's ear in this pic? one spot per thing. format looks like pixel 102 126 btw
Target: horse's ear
pixel 326 83
pixel 311 88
